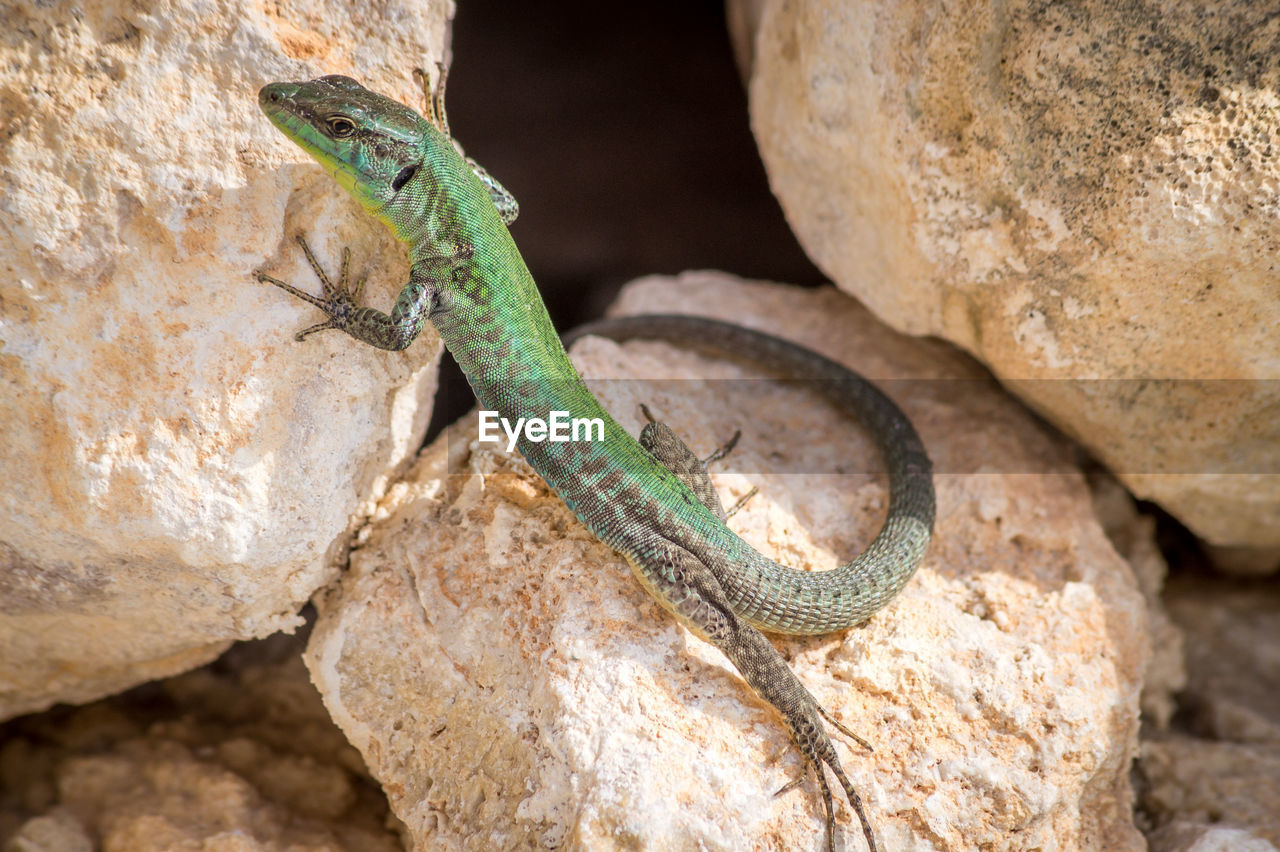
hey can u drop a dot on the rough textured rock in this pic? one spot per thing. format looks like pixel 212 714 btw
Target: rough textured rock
pixel 240 755
pixel 511 685
pixel 1189 837
pixel 1084 196
pixel 177 469
pixel 1228 774
pixel 1233 657
pixel 1232 785
pixel 1133 535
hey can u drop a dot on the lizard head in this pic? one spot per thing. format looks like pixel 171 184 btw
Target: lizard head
pixel 370 144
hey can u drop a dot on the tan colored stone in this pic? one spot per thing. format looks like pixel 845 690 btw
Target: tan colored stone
pixel 1233 657
pixel 1231 785
pixel 1244 561
pixel 54 832
pixel 236 756
pixel 1133 535
pixel 178 471
pixel 1084 196
pixel 512 686
pixel 1190 837
pixel 1229 777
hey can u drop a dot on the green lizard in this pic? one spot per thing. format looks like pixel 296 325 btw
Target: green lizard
pixel 649 499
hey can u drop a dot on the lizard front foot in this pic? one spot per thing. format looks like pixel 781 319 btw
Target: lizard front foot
pixel 338 301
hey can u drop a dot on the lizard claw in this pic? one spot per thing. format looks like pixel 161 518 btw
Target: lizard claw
pixel 724 449
pixel 836 722
pixel 790 785
pixel 819 754
pixel 337 299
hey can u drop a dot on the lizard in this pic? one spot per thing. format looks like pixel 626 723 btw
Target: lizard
pixel 650 498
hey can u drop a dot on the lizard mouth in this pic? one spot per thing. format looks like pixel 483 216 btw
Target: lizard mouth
pixel 275 96
pixel 296 109
pixel 279 102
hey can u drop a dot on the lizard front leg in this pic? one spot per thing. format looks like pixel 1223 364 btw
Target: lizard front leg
pixel 393 331
pixel 689 589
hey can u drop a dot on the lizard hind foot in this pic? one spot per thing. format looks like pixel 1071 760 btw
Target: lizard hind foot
pixel 678 457
pixel 836 722
pixel 855 800
pixel 819 754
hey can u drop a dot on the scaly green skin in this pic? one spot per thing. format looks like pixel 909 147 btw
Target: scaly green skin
pixel 469 280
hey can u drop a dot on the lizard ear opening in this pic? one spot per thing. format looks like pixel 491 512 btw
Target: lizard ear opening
pixel 403 176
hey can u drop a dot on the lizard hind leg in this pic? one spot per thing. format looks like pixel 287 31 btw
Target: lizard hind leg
pixel 676 456
pixel 774 681
pixel 689 589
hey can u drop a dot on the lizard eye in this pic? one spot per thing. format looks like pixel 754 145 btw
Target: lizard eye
pixel 341 127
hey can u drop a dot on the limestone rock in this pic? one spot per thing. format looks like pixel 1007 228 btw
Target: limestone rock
pixel 178 471
pixel 512 686
pixel 239 755
pixel 1189 837
pixel 1231 785
pixel 1084 196
pixel 1132 534
pixel 1233 658
pixel 1226 776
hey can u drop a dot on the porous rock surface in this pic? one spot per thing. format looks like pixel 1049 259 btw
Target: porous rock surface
pixel 1193 837
pixel 1085 196
pixel 512 686
pixel 1133 534
pixel 238 756
pixel 1221 768
pixel 1193 781
pixel 178 470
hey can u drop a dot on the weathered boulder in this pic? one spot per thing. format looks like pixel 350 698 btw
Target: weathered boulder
pixel 1084 196
pixel 1202 783
pixel 512 686
pixel 239 755
pixel 178 471
pixel 1221 770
